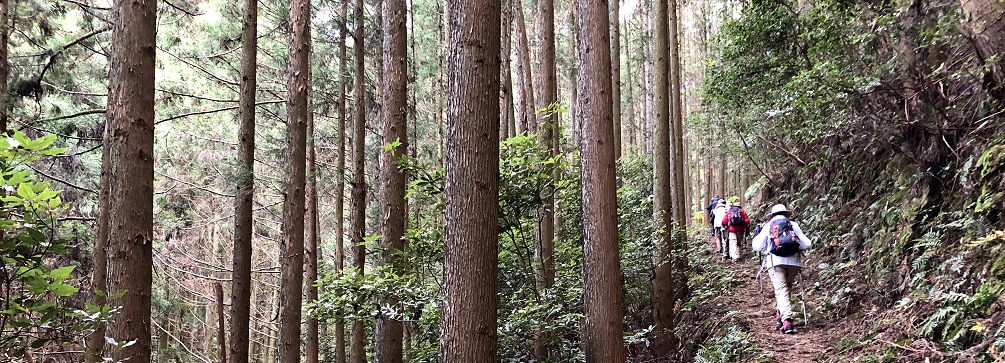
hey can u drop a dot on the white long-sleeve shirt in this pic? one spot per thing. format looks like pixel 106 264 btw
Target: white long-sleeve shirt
pixel 717 215
pixel 761 242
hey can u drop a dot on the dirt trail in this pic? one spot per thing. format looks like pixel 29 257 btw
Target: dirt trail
pixel 810 343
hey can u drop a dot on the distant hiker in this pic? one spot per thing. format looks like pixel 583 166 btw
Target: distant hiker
pixel 718 213
pixel 737 223
pixel 711 218
pixel 783 242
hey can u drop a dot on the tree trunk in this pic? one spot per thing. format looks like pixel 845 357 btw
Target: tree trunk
pixel 357 215
pixel 547 93
pixel 630 115
pixel 677 121
pixel 5 65
pixel 615 36
pixel 240 299
pixel 602 329
pixel 291 248
pixel 388 346
pixel 505 74
pixel 663 197
pixel 340 173
pixel 986 23
pixel 311 251
pixel 573 89
pixel 99 279
pixel 470 251
pixel 130 145
pixel 527 122
pixel 221 332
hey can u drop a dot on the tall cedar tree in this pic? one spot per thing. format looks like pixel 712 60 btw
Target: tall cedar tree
pixel 357 215
pixel 547 93
pixel 94 346
pixel 615 24
pixel 4 62
pixel 471 246
pixel 388 348
pixel 311 250
pixel 130 144
pixel 291 248
pixel 662 194
pixel 505 74
pixel 243 216
pixel 527 122
pixel 676 120
pixel 602 330
pixel 340 172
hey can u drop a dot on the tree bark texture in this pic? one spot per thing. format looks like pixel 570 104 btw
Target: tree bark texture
pixel 505 75
pixel 291 247
pixel 528 120
pixel 95 343
pixel 388 348
pixel 615 36
pixel 602 329
pixel 130 145
pixel 311 250
pixel 986 24
pixel 240 298
pixel 357 215
pixel 221 332
pixel 676 121
pixel 340 356
pixel 4 61
pixel 470 251
pixel 547 93
pixel 662 191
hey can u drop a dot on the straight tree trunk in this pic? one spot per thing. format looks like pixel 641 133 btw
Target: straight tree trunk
pixel 357 215
pixel 547 94
pixel 291 248
pixel 340 141
pixel 630 115
pixel 677 120
pixel 603 301
pixel 240 290
pixel 96 340
pixel 528 120
pixel 4 62
pixel 615 36
pixel 505 74
pixel 130 144
pixel 388 345
pixel 221 332
pixel 470 252
pixel 311 251
pixel 663 307
pixel 573 89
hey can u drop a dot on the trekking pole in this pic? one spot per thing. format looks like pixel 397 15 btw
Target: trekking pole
pixel 802 298
pixel 760 269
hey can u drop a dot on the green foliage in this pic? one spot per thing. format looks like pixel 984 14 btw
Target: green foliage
pixel 34 287
pixel 727 347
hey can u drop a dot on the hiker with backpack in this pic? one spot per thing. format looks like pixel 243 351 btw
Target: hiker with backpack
pixel 782 242
pixel 718 213
pixel 711 217
pixel 737 223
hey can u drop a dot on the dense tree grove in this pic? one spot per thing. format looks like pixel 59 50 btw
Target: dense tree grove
pixel 498 181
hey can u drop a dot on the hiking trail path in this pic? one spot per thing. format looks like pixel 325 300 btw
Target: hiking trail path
pixel 810 344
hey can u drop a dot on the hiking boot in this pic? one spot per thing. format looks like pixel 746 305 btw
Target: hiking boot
pixel 787 327
pixel 778 319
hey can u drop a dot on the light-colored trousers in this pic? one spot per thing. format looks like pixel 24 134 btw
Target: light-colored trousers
pixel 782 277
pixel 734 246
